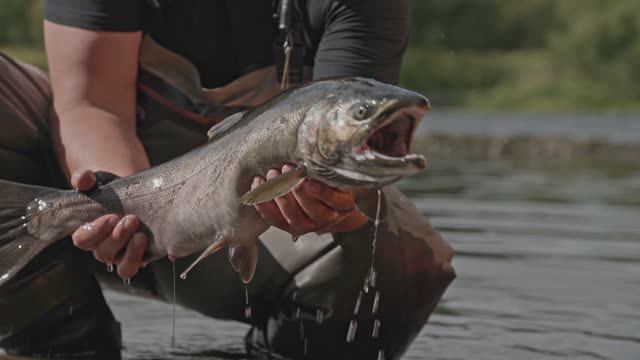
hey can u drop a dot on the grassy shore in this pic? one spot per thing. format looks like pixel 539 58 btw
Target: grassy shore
pixel 509 81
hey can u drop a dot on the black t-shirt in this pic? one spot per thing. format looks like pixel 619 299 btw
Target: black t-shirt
pixel 226 39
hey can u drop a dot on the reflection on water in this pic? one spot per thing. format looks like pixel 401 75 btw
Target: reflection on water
pixel 548 263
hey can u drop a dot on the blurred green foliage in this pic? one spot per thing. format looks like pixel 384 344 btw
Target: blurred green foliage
pixel 533 55
pixel 21 22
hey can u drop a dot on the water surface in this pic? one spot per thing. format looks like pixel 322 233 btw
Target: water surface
pixel 548 263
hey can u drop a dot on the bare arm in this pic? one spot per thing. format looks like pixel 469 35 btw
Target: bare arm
pixel 93 75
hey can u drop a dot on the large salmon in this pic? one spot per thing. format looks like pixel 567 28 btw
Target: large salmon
pixel 348 133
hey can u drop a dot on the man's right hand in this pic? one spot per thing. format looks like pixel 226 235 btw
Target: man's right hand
pixel 112 239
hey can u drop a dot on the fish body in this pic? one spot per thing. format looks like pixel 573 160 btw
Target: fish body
pixel 348 133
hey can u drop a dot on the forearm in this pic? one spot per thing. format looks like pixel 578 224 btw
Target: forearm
pixel 87 137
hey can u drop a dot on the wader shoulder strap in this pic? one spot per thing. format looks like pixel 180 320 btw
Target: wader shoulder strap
pixel 168 80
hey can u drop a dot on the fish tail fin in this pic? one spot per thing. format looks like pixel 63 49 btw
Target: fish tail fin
pixel 17 245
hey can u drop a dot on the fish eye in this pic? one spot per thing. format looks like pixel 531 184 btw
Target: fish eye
pixel 361 111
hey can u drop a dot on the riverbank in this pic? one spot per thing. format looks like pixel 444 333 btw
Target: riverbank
pixel 531 138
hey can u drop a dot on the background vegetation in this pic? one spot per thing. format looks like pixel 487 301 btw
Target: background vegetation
pixel 533 55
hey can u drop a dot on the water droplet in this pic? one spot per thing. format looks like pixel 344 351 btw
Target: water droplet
pixel 365 287
pixel 356 309
pixel 293 297
pixel 376 303
pixel 351 333
pixel 380 354
pixel 319 316
pixel 247 308
pixel 373 276
pixel 294 238
pixel 70 310
pixel 301 330
pixel 183 276
pixel 173 318
pixel 87 226
pixel 306 346
pixel 110 267
pixel 376 329
pixel 19 246
pixel 157 182
pixel 298 313
pixel 127 281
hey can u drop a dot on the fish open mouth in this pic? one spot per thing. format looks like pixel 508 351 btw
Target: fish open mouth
pixel 389 143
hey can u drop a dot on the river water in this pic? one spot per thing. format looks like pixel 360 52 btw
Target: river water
pixel 548 263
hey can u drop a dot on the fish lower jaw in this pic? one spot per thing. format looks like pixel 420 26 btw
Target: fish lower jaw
pixel 379 162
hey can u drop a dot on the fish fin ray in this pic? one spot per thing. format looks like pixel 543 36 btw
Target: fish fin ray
pixel 225 125
pixel 275 187
pixel 244 259
pixel 17 245
pixel 220 242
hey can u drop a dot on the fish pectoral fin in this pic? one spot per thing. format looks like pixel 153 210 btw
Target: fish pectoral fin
pixel 220 242
pixel 275 187
pixel 244 259
pixel 224 125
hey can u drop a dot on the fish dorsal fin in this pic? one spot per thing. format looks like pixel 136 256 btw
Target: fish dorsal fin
pixel 275 187
pixel 244 259
pixel 172 68
pixel 224 125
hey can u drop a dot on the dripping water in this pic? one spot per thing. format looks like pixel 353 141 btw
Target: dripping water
pixel 110 267
pixel 356 308
pixel 369 282
pixel 351 333
pixel 173 322
pixel 376 329
pixel 376 303
pixel 319 316
pixel 247 307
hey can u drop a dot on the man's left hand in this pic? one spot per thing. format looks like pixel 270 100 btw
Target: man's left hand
pixel 311 207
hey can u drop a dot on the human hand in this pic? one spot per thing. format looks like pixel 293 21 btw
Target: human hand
pixel 112 239
pixel 311 207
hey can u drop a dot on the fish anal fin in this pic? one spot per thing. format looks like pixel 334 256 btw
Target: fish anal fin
pixel 244 259
pixel 274 187
pixel 224 125
pixel 221 241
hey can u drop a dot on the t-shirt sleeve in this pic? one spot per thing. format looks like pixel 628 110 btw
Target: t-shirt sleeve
pixel 99 15
pixel 363 38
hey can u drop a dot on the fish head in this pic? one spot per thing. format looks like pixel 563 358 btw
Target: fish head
pixel 360 134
